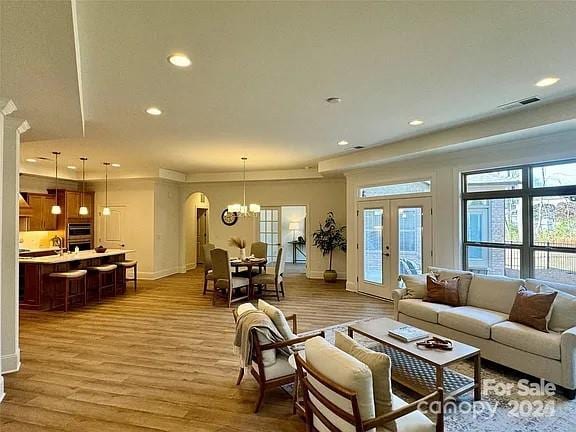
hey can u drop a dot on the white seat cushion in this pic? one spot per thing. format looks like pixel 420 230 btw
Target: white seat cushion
pixel 69 274
pixel 471 320
pixel 527 339
pixel 104 268
pixel 425 311
pixel 346 371
pixel 413 422
pixel 563 315
pixel 127 263
pixel 279 368
pixel 245 307
pixel 495 293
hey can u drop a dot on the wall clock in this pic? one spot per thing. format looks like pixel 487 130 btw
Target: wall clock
pixel 228 218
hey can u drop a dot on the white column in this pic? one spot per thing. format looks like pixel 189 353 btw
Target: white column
pixel 10 152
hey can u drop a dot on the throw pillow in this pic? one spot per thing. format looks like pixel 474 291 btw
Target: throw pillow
pixel 277 318
pixel 532 309
pixel 563 314
pixel 463 282
pixel 415 285
pixel 442 291
pixel 380 365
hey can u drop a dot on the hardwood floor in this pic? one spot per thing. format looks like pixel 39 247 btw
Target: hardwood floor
pixel 160 359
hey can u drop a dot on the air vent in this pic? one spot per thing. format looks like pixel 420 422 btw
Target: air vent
pixel 358 147
pixel 43 158
pixel 520 103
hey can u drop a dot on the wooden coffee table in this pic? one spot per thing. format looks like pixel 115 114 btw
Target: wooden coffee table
pixel 419 369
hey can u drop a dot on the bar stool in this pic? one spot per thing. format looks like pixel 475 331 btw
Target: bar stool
pixel 123 266
pixel 103 272
pixel 69 277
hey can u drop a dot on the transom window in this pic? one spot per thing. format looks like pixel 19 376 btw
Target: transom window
pixel 521 221
pixel 395 189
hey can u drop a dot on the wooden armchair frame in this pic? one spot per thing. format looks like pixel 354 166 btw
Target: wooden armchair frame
pixel 304 370
pixel 260 374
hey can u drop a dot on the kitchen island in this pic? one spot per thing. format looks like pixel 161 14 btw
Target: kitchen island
pixel 35 282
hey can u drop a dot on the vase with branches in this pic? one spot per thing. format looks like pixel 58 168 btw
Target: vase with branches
pixel 328 238
pixel 240 244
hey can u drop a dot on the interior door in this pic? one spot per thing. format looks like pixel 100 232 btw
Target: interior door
pixel 411 235
pixel 374 248
pixel 270 230
pixel 201 234
pixel 111 228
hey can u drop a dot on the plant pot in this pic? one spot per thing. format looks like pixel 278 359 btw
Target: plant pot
pixel 243 254
pixel 330 275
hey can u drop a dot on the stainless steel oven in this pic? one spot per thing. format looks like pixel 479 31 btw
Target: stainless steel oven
pixel 79 230
pixel 81 244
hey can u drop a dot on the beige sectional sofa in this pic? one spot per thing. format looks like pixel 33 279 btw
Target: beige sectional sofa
pixel 483 323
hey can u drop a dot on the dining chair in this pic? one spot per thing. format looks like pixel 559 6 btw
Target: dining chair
pixel 259 250
pixel 276 278
pixel 224 282
pixel 208 273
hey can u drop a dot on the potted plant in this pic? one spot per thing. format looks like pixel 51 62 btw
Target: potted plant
pixel 328 238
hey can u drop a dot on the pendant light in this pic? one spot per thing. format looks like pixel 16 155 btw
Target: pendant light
pixel 56 210
pixel 106 210
pixel 243 209
pixel 83 209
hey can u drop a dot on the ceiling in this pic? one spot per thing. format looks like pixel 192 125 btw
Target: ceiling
pixel 262 70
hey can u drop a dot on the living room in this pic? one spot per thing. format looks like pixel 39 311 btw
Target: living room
pixel 156 274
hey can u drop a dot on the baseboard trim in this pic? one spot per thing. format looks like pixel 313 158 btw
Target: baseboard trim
pixel 190 266
pixel 315 274
pixel 10 363
pixel 159 274
pixel 351 286
pixel 2 394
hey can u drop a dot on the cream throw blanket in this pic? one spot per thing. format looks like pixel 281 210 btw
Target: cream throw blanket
pixel 259 322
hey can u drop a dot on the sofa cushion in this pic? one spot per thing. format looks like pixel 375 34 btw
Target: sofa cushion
pixel 416 308
pixel 413 422
pixel 277 318
pixel 280 368
pixel 563 314
pixel 471 320
pixel 245 307
pixel 463 283
pixel 415 285
pixel 380 365
pixel 527 339
pixel 443 291
pixel 496 293
pixel 534 285
pixel 533 309
pixel 344 370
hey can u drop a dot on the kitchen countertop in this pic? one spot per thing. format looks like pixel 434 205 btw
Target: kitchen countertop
pixel 36 250
pixel 82 255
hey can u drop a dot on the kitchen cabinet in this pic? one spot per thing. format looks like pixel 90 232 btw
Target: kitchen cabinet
pixel 71 201
pixel 41 219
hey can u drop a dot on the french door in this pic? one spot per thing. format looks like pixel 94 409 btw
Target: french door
pixel 270 230
pixel 395 237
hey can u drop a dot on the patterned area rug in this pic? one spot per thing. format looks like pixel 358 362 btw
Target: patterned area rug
pixel 511 401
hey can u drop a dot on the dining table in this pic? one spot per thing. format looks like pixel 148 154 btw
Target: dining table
pixel 249 263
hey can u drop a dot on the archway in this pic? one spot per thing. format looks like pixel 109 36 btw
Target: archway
pixel 196 230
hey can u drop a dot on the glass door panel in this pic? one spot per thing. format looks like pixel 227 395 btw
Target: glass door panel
pixel 373 248
pixel 269 231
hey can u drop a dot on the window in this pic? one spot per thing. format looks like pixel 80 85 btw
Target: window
pixel 521 221
pixel 395 189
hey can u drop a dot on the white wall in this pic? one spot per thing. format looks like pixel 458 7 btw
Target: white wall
pixel 319 195
pixel 292 214
pixel 166 228
pixel 444 170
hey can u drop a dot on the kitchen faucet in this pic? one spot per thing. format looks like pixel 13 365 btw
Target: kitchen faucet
pixel 58 242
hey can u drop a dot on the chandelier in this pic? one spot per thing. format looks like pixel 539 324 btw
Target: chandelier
pixel 243 209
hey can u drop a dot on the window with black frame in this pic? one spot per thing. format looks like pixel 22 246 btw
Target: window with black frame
pixel 521 221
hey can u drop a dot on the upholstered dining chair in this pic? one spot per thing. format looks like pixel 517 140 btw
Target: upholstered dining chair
pixel 208 273
pixel 224 282
pixel 259 250
pixel 276 278
pixel 351 391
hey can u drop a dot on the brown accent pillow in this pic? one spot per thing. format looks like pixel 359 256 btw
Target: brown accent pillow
pixel 442 291
pixel 532 309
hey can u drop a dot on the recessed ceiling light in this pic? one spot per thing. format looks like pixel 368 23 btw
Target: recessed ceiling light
pixel 416 122
pixel 548 81
pixel 334 100
pixel 116 165
pixel 154 111
pixel 180 60
pixel 31 160
pixel 72 167
pixel 343 143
